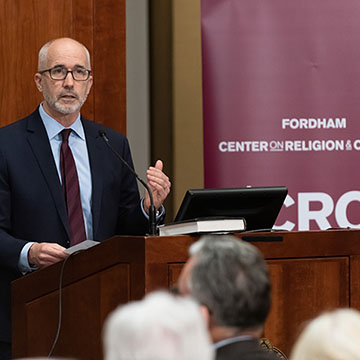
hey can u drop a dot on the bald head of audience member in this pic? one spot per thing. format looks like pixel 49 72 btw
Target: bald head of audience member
pixel 230 278
pixel 159 327
pixel 333 335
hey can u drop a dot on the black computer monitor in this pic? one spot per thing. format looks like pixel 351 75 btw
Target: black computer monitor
pixel 259 206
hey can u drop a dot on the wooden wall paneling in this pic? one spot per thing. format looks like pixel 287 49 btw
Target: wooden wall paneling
pixel 35 320
pixel 111 297
pixel 300 288
pixel 165 258
pixel 95 282
pixel 174 273
pixel 110 63
pixel 79 299
pixel 83 30
pixel 310 272
pixel 355 282
pixel 26 25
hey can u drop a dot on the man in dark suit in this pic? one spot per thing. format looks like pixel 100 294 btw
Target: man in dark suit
pixel 35 227
pixel 230 279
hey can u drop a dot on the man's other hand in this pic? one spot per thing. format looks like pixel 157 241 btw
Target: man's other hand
pixel 45 254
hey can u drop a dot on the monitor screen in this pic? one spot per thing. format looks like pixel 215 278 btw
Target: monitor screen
pixel 259 206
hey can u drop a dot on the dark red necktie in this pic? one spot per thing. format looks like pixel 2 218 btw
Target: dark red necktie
pixel 71 188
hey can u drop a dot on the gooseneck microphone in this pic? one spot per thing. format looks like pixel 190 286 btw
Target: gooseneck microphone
pixel 152 218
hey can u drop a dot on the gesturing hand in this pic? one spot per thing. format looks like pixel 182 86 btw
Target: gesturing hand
pixel 159 184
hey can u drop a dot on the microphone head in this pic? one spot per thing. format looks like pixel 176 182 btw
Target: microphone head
pixel 103 135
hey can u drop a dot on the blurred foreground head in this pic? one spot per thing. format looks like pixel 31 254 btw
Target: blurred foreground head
pixel 331 336
pixel 159 327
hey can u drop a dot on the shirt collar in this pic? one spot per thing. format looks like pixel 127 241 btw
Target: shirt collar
pixel 54 128
pixel 232 340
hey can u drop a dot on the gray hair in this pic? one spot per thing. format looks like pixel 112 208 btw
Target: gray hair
pixel 160 327
pixel 43 53
pixel 230 277
pixel 333 335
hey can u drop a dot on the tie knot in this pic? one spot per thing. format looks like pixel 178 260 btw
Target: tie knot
pixel 65 134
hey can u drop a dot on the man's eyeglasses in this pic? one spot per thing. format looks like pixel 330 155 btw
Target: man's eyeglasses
pixel 60 73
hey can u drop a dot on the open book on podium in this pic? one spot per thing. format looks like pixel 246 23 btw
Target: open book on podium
pixel 227 210
pixel 203 225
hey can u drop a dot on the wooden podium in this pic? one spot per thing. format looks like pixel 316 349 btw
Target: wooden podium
pixel 310 271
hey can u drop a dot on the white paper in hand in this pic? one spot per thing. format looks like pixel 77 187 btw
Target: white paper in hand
pixel 81 246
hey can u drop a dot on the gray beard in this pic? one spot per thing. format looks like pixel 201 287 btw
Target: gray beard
pixel 64 109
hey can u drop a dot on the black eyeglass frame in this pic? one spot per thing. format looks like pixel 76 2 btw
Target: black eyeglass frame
pixel 67 72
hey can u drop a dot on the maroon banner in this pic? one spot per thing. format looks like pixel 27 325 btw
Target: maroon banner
pixel 281 97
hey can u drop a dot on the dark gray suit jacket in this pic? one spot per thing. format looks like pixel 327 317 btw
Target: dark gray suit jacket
pixel 244 350
pixel 32 204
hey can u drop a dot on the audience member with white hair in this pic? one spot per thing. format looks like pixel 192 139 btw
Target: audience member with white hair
pixel 159 327
pixel 333 335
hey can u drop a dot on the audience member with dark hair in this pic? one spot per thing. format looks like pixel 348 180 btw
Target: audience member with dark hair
pixel 333 335
pixel 160 327
pixel 229 277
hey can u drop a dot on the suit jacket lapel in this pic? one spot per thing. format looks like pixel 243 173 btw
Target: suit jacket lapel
pixel 93 141
pixel 40 146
